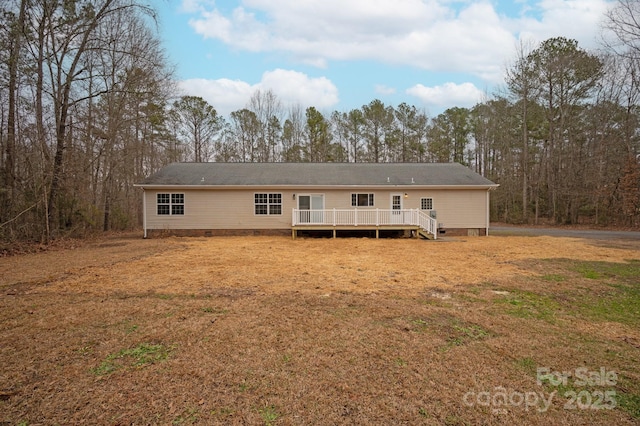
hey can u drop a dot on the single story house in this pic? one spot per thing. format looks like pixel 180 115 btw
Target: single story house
pixel 288 198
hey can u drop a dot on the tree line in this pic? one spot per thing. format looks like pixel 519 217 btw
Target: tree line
pixel 88 107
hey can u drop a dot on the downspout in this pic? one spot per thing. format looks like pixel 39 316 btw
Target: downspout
pixel 144 213
pixel 486 233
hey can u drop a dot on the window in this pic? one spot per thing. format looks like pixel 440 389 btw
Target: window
pixel 362 200
pixel 177 203
pixel 170 204
pixel 426 203
pixel 260 201
pixel 275 203
pixel 163 203
pixel 268 204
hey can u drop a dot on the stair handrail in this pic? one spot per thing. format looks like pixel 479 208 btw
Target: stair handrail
pixel 427 223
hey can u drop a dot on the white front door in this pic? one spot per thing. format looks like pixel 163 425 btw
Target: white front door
pixel 396 204
pixel 311 207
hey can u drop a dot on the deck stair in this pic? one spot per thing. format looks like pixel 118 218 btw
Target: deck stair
pixel 427 225
pixel 424 234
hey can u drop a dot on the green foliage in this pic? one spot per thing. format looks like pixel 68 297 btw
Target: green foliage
pixel 318 136
pixel 556 150
pixel 466 333
pixel 473 331
pixel 589 273
pixel 411 130
pixel 420 324
pixel 629 402
pixel 197 124
pixel 269 414
pixel 245 130
pixel 625 272
pixel 620 304
pixel 528 364
pixel 556 278
pixel 223 412
pixel 120 219
pixel 378 120
pixel 131 328
pixel 188 416
pixel 399 362
pixel 526 304
pixel 137 357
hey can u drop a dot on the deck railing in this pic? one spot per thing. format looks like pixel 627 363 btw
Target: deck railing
pixel 366 217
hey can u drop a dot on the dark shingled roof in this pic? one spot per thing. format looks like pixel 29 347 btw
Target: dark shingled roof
pixel 316 174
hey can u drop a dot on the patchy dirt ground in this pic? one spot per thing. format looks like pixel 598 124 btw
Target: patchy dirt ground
pixel 266 330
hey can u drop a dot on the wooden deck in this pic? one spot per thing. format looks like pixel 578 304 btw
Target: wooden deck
pixel 365 219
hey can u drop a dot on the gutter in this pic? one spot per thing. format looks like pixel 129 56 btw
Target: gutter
pixel 313 187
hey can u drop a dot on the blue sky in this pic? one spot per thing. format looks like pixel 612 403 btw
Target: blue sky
pixel 342 54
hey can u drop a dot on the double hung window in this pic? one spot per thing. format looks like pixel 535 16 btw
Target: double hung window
pixel 170 204
pixel 268 204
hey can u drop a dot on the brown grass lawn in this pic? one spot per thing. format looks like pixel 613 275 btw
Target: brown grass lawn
pixel 274 331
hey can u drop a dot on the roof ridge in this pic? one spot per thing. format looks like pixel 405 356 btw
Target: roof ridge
pixel 315 174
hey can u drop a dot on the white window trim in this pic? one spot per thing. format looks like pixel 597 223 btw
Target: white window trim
pixel 171 203
pixel 426 198
pixel 371 199
pixel 268 204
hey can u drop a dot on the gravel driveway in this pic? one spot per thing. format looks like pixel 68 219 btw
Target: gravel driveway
pixel 560 232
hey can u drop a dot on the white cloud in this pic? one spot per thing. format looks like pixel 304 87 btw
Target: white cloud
pixel 213 25
pixel 434 35
pixel 447 95
pixel 297 88
pixel 384 90
pixel 223 94
pixel 193 6
pixel 291 88
pixel 422 33
pixel 577 19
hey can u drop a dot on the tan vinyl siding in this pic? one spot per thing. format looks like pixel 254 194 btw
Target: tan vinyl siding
pixel 455 208
pixel 226 209
pixel 234 209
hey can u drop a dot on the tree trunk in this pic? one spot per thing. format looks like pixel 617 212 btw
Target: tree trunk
pixel 525 163
pixel 9 172
pixel 64 81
